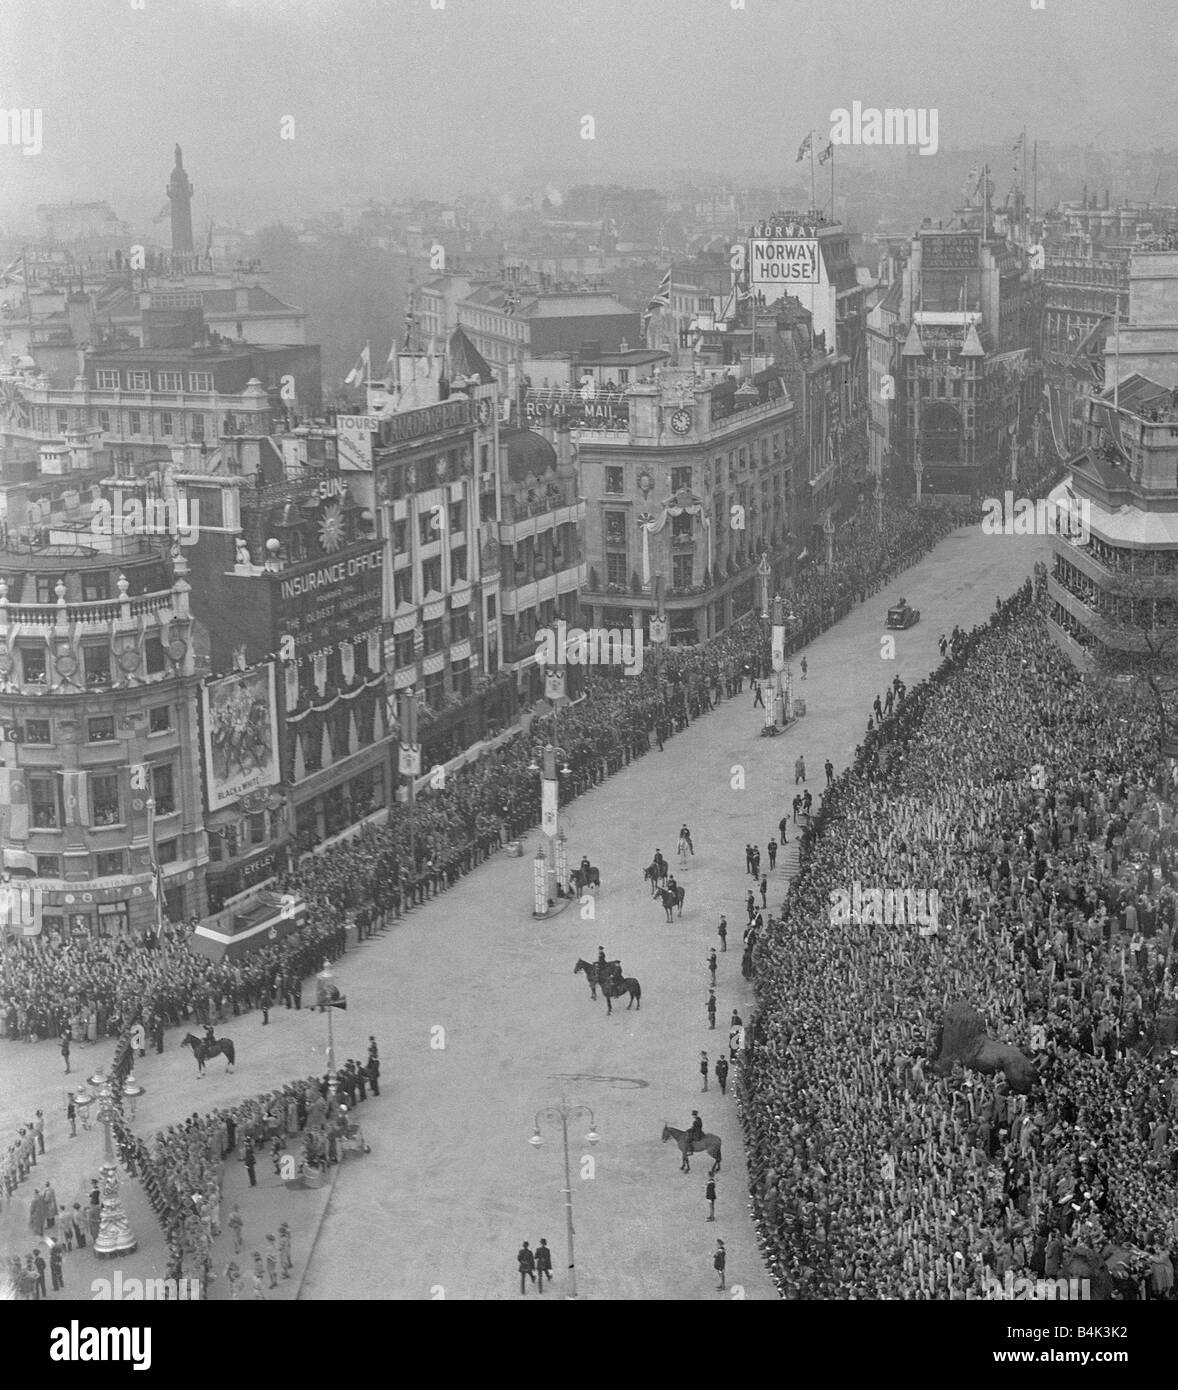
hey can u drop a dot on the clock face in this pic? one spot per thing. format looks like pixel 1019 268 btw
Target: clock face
pixel 681 421
pixel 484 411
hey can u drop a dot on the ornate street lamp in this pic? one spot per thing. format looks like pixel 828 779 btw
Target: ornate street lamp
pixel 564 1112
pixel 115 1236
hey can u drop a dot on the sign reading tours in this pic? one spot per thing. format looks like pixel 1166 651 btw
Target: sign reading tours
pixel 355 441
pixel 240 724
pixel 783 262
pixel 323 603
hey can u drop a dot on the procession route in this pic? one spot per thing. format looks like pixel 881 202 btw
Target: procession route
pixel 473 1003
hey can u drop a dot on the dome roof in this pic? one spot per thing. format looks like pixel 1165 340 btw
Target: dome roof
pixel 528 454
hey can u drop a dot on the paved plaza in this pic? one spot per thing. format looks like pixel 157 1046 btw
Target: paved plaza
pixel 481 1021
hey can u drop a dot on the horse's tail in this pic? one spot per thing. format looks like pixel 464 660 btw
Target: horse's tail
pixel 230 1052
pixel 637 990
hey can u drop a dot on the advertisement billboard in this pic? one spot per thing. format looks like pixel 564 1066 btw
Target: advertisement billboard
pixel 355 442
pixel 240 725
pixel 784 261
pixel 325 602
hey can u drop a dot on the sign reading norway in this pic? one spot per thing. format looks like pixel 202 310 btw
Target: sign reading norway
pixel 240 722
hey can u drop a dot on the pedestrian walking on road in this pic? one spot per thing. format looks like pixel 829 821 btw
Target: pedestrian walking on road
pixel 65 1050
pixel 750 904
pixel 748 859
pixel 755 867
pixel 803 668
pixel 764 892
pixel 721 1070
pixel 829 772
pixel 703 1069
pixel 272 1261
pixel 284 1250
pixel 807 801
pixel 799 769
pixel 783 826
pixel 722 933
pixel 711 1008
pixel 772 855
pixel 236 1223
pixel 710 1198
pixel 758 698
pixel 797 807
pixel 719 1261
pixel 527 1266
pixel 543 1263
pixel 712 962
pixel 71 1114
pixel 249 1158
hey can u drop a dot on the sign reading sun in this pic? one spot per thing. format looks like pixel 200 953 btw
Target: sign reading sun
pixel 331 529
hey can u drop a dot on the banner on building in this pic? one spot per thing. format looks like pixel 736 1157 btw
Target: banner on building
pixel 792 261
pixel 549 801
pixel 355 442
pixel 239 716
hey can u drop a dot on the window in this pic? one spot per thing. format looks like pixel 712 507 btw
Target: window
pixel 431 575
pixel 615 528
pixel 615 480
pixel 109 863
pixel 169 381
pixel 104 798
pixel 435 689
pixel 615 569
pixel 403 655
pixel 457 517
pixel 159 720
pixel 460 677
pixel 63 421
pixel 45 802
pixel 402 586
pixel 200 381
pixel 37 731
pixel 48 865
pixel 154 650
pixel 107 380
pixel 426 530
pixel 682 568
pixel 460 625
pixel 681 479
pixel 138 381
pixel 167 853
pixel 96 661
pixel 100 729
pixel 165 422
pixel 104 421
pixel 743 458
pixel 681 527
pixel 434 639
pixel 95 588
pixel 400 537
pixel 196 426
pixel 134 423
pixel 458 564
pixel 32 660
pixel 258 828
pixel 47 588
pixel 163 789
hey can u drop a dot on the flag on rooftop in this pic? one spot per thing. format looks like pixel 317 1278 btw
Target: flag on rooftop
pixel 827 153
pixel 360 372
pixel 804 148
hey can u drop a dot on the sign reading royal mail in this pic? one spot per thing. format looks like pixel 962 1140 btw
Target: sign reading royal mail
pixel 785 261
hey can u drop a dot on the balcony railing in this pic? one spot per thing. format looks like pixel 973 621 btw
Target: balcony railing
pixel 103 611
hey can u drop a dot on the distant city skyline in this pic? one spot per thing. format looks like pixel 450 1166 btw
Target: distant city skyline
pixel 390 98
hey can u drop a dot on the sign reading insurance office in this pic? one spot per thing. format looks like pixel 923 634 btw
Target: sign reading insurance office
pixel 240 723
pixel 326 601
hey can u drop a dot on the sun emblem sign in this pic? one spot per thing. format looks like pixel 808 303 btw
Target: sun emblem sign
pixel 331 529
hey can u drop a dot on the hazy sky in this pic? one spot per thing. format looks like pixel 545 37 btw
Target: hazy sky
pixel 394 95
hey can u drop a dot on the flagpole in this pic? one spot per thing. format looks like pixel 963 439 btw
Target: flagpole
pixel 813 195
pixel 833 216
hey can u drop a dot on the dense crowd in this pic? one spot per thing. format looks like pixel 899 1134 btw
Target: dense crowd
pixel 96 988
pixel 1042 814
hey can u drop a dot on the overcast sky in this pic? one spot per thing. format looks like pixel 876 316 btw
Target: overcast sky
pixel 390 96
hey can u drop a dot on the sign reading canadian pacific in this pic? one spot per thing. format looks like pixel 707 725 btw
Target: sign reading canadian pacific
pixel 775 262
pixel 322 604
pixel 240 723
pixel 412 423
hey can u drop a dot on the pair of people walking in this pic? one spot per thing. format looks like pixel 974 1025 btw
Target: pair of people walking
pixel 535 1265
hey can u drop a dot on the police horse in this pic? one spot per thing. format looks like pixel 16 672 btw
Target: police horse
pixel 709 1144
pixel 203 1051
pixel 656 873
pixel 616 986
pixel 673 898
pixel 592 972
pixel 585 876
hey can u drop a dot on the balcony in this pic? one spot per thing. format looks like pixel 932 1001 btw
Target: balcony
pixel 104 612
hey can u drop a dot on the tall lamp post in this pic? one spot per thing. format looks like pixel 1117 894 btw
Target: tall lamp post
pixel 828 532
pixel 550 859
pixel 115 1236
pixel 564 1112
pixel 879 500
pixel 409 766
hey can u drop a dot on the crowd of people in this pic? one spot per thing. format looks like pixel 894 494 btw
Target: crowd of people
pixel 91 989
pixel 1042 813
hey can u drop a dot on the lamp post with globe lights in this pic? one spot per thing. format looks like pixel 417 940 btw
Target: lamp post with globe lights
pixel 564 1112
